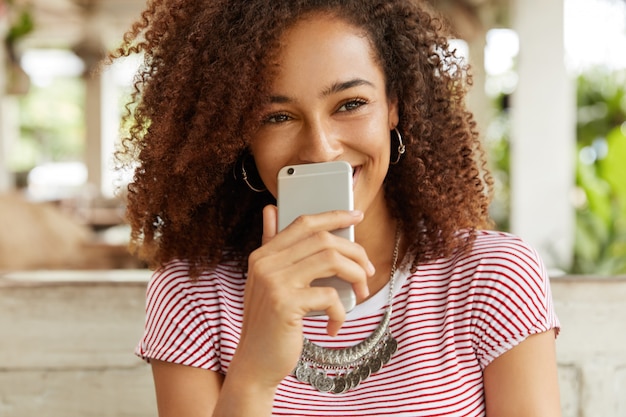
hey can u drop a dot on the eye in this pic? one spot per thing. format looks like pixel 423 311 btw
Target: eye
pixel 276 118
pixel 352 104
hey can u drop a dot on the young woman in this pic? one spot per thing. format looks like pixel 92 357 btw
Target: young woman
pixel 451 319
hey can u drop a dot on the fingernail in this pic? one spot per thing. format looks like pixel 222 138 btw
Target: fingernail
pixel 356 213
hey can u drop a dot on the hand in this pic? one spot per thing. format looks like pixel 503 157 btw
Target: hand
pixel 278 292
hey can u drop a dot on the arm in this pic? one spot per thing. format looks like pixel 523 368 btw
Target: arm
pixel 185 391
pixel 277 296
pixel 523 382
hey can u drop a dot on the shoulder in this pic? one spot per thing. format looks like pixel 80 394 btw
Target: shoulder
pixel 176 272
pixel 504 255
pixel 499 271
pixel 510 293
pixel 493 255
pixel 502 245
pixel 185 316
pixel 172 283
pixel 508 276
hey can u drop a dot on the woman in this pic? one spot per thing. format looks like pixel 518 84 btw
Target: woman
pixel 452 319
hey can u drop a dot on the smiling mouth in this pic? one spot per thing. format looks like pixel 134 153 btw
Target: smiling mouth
pixel 355 174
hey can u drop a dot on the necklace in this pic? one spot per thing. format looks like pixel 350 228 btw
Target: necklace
pixel 339 370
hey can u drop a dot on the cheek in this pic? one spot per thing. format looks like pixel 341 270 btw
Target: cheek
pixel 373 139
pixel 268 163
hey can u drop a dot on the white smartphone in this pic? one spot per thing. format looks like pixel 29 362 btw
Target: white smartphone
pixel 316 188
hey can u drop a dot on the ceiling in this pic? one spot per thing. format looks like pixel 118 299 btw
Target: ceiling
pixel 97 23
pixel 66 23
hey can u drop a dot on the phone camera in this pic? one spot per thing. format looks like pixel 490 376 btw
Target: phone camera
pixel 290 171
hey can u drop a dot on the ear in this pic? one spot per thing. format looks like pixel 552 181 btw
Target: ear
pixel 393 117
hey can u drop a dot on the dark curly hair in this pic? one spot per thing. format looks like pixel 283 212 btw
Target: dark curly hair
pixel 197 101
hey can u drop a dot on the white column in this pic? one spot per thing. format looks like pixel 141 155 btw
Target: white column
pixel 477 100
pixel 111 115
pixel 93 125
pixel 543 134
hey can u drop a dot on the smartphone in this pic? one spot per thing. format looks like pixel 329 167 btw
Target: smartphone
pixel 316 188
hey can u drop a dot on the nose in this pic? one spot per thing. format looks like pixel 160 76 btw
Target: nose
pixel 319 143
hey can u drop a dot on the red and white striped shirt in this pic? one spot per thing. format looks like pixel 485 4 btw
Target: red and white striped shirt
pixel 451 318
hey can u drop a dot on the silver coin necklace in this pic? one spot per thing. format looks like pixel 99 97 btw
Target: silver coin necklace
pixel 340 370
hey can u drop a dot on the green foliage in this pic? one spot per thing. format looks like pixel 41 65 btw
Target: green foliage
pixel 52 124
pixel 498 144
pixel 600 246
pixel 20 19
pixel 21 26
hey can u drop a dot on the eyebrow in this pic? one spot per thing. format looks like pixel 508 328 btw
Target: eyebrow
pixel 345 85
pixel 332 89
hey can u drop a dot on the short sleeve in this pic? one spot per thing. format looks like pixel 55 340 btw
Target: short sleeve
pixel 180 320
pixel 512 298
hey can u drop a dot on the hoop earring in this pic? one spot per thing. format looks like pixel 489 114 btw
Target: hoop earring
pixel 244 175
pixel 401 147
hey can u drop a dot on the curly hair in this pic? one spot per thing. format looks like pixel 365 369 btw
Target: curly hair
pixel 196 104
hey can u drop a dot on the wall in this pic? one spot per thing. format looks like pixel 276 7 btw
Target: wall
pixel 66 347
pixel 66 340
pixel 591 348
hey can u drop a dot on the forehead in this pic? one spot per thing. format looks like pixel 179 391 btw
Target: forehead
pixel 324 43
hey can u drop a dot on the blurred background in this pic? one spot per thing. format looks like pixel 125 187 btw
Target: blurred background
pixel 549 95
pixel 62 200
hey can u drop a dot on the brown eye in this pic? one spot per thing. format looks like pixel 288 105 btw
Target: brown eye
pixel 277 118
pixel 352 105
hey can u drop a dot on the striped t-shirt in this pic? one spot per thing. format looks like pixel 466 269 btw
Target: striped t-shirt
pixel 451 318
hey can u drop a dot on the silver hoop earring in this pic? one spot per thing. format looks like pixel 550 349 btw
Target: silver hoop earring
pixel 244 176
pixel 401 148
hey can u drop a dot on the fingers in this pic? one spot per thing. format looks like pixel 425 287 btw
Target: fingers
pixel 304 251
pixel 317 256
pixel 324 299
pixel 270 222
pixel 310 234
pixel 324 222
pixel 346 263
pixel 288 287
pixel 308 224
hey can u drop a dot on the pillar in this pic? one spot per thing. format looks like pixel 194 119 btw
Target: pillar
pixel 90 50
pixel 543 134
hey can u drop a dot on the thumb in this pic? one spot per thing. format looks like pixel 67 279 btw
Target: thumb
pixel 270 222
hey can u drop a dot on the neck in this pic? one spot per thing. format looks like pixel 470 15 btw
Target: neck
pixel 377 235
